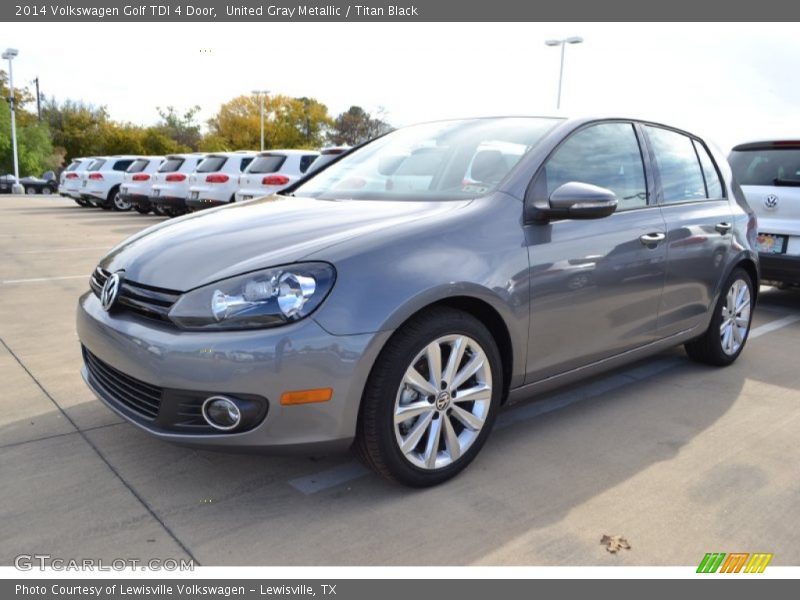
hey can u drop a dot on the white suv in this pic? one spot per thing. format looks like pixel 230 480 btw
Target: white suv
pixel 272 171
pixel 171 183
pixel 103 180
pixel 137 182
pixel 71 179
pixel 216 179
pixel 769 174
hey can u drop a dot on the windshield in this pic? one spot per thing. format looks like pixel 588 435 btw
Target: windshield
pixel 766 166
pixel 433 161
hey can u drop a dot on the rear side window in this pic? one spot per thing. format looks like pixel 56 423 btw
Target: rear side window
pixel 96 165
pixel 122 165
pixel 138 166
pixel 267 164
pixel 606 155
pixel 170 165
pixel 713 183
pixel 306 161
pixel 245 162
pixel 681 175
pixel 766 165
pixel 211 164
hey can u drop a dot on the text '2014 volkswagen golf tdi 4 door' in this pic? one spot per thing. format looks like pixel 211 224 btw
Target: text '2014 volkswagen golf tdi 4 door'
pixel 396 299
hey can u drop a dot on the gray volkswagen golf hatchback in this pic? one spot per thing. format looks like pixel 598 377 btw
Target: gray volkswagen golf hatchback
pixel 395 300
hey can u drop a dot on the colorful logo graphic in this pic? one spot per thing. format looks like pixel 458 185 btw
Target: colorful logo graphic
pixel 735 562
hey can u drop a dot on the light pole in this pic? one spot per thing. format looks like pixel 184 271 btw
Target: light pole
pixel 262 94
pixel 562 43
pixel 10 54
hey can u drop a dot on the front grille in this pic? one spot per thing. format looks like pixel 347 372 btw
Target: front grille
pixel 137 396
pixel 145 300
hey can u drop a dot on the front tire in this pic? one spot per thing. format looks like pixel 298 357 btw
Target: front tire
pixel 431 399
pixel 725 338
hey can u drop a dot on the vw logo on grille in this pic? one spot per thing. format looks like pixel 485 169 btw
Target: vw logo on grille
pixel 110 291
pixel 771 201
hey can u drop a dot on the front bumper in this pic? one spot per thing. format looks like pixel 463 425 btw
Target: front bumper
pixel 784 268
pixel 264 363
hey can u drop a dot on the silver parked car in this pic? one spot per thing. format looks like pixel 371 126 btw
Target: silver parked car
pixel 397 298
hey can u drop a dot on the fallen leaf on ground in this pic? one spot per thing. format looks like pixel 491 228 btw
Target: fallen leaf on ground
pixel 614 543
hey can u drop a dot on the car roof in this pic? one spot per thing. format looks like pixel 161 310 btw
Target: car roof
pixel 287 152
pixel 235 153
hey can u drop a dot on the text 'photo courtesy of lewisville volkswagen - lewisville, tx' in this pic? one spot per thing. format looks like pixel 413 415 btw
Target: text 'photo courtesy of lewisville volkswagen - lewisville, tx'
pixel 393 295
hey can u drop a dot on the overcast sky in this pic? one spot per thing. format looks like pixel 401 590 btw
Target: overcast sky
pixel 729 82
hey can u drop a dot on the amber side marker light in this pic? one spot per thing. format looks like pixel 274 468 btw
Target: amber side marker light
pixel 306 396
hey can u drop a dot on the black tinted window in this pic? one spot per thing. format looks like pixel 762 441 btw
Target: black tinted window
pixel 766 166
pixel 138 166
pixel 713 183
pixel 606 155
pixel 211 164
pixel 681 176
pixel 170 165
pixel 122 165
pixel 267 164
pixel 245 162
pixel 306 162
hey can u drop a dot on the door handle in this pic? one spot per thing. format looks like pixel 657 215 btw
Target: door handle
pixel 723 228
pixel 651 239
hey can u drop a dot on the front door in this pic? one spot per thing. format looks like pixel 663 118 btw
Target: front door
pixel 595 284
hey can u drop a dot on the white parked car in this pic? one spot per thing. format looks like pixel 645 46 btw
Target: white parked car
pixel 71 180
pixel 769 175
pixel 327 156
pixel 103 180
pixel 171 183
pixel 272 171
pixel 137 183
pixel 216 179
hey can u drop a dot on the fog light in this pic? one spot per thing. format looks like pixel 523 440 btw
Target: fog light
pixel 221 413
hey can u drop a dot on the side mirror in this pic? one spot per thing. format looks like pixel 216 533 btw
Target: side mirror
pixel 575 200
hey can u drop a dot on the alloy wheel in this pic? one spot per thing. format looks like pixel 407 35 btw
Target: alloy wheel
pixel 119 203
pixel 735 317
pixel 443 402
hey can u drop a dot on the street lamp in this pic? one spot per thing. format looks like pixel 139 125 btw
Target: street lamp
pixel 262 94
pixel 9 55
pixel 562 43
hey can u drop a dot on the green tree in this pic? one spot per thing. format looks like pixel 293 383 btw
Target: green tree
pixel 34 149
pixel 356 126
pixel 76 127
pixel 182 128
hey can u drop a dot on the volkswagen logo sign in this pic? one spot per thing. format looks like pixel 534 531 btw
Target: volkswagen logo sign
pixel 110 291
pixel 771 201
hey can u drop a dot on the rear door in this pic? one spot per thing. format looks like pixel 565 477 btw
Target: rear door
pixel 769 174
pixel 595 284
pixel 699 226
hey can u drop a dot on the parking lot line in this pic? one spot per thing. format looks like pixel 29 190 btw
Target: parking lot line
pixel 40 279
pixel 774 325
pixel 350 471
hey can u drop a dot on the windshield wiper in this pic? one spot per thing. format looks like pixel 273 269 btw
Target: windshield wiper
pixel 786 182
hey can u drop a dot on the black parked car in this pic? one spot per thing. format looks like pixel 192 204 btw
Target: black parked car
pixel 47 184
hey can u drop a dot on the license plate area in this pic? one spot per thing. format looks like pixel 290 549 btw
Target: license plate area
pixel 770 243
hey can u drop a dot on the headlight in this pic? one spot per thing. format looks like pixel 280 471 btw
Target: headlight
pixel 259 299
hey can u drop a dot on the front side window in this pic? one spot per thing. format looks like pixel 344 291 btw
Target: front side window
pixel 606 155
pixel 446 160
pixel 678 165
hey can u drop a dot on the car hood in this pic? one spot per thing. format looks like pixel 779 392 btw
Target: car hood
pixel 201 248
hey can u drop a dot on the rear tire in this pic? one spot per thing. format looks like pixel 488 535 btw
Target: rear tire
pixel 442 431
pixel 117 202
pixel 727 334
